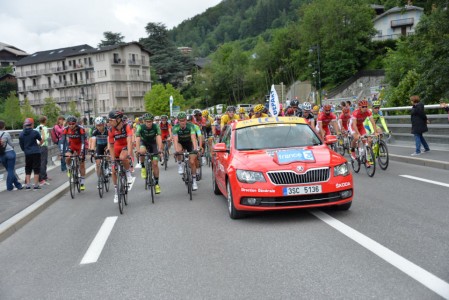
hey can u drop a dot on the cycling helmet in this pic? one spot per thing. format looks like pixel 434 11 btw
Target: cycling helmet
pixel 71 119
pixel 125 118
pixel 217 118
pixel 205 113
pixel 164 117
pixel 327 107
pixel 136 120
pixel 157 118
pixel 307 106
pixel 148 117
pixel 197 113
pixel 363 103
pixel 345 110
pixel 182 115
pixel 242 110
pixel 189 118
pixel 376 103
pixel 294 103
pixel 115 114
pixel 230 109
pixel 259 108
pixel 99 121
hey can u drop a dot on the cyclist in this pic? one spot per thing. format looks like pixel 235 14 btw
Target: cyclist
pixel 208 128
pixel 344 118
pixel 99 141
pixel 294 109
pixel 307 113
pixel 216 126
pixel 258 112
pixel 242 114
pixel 120 141
pixel 148 138
pixel 166 134
pixel 377 116
pixel 228 117
pixel 157 120
pixel 356 124
pixel 184 138
pixel 325 118
pixel 74 135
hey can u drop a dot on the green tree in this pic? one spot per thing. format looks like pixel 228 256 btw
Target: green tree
pixel 157 100
pixel 12 115
pixel 51 110
pixel 73 110
pixel 111 39
pixel 27 110
pixel 400 96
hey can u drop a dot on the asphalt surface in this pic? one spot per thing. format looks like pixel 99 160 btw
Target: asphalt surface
pixel 178 248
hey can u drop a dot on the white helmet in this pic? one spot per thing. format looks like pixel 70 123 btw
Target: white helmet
pixel 157 118
pixel 307 106
pixel 99 120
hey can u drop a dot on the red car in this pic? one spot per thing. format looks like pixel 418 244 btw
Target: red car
pixel 278 163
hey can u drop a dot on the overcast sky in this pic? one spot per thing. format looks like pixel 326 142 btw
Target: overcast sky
pixel 38 25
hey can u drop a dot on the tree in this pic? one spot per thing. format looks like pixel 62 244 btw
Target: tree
pixel 73 110
pixel 12 115
pixel 157 100
pixel 111 39
pixel 27 110
pixel 51 110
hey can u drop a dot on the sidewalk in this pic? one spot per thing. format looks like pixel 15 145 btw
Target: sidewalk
pixel 19 207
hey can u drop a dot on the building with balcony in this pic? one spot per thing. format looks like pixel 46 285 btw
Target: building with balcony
pixel 397 22
pixel 9 55
pixel 96 79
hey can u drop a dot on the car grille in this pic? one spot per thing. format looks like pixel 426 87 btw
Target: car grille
pixel 300 200
pixel 290 177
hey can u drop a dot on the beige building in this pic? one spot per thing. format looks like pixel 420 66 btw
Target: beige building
pixel 96 79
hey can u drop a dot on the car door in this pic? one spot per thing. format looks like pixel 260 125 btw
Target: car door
pixel 223 159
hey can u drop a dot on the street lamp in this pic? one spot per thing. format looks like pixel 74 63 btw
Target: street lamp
pixel 316 49
pixel 88 108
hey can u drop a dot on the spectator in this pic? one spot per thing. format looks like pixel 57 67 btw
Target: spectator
pixel 28 143
pixel 419 125
pixel 59 128
pixel 349 104
pixel 445 106
pixel 8 159
pixel 43 130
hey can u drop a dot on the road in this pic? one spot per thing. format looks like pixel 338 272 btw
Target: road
pixel 395 245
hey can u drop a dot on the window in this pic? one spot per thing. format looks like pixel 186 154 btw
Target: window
pixel 227 137
pixel 101 73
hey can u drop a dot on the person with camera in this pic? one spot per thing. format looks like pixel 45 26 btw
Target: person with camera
pixel 43 130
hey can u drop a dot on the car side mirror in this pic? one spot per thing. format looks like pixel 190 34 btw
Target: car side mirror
pixel 330 139
pixel 220 147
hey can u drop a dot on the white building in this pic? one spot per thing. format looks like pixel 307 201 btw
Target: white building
pixel 397 22
pixel 98 80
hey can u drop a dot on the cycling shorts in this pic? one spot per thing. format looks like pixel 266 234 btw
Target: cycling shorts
pixel 151 148
pixel 188 146
pixel 100 149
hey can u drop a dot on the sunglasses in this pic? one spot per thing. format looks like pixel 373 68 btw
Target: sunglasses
pixel 327 111
pixel 364 106
pixel 376 107
pixel 72 123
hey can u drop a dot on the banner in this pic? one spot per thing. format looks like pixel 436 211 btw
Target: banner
pixel 171 105
pixel 273 102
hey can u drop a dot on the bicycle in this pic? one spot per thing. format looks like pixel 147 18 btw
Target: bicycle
pixel 380 150
pixel 104 178
pixel 149 180
pixel 122 185
pixel 166 154
pixel 365 156
pixel 74 175
pixel 207 151
pixel 344 143
pixel 187 173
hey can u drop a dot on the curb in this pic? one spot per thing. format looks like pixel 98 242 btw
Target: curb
pixel 421 161
pixel 17 221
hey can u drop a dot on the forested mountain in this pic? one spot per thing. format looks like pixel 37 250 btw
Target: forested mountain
pixel 233 20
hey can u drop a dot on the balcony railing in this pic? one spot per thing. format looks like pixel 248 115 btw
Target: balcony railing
pixel 117 61
pixel 121 93
pixel 402 22
pixel 390 36
pixel 119 77
pixel 137 93
pixel 133 62
pixel 31 73
pixel 145 63
pixel 58 69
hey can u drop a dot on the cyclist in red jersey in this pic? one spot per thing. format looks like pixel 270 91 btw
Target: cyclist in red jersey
pixel 120 140
pixel 344 118
pixel 356 124
pixel 325 118
pixel 165 130
pixel 74 137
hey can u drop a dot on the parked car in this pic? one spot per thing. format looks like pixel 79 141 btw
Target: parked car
pixel 278 163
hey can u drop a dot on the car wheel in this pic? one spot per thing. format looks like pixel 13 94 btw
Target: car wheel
pixel 214 184
pixel 345 206
pixel 233 212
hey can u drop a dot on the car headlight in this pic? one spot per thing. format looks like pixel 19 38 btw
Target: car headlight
pixel 341 170
pixel 250 176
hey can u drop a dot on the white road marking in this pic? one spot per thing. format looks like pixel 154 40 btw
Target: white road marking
pixel 97 245
pixel 426 180
pixel 424 277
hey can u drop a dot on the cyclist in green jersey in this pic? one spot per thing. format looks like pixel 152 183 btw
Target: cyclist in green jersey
pixel 378 117
pixel 148 138
pixel 184 138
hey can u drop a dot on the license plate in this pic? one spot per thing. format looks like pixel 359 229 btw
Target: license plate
pixel 302 190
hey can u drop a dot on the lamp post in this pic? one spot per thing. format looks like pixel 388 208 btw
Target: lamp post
pixel 88 108
pixel 316 49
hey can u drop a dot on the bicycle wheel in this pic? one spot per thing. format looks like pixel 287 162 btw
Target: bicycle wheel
pixel 341 146
pixel 72 184
pixel 356 162
pixel 166 157
pixel 120 194
pixel 370 162
pixel 189 181
pixel 101 183
pixel 151 182
pixel 382 155
pixel 125 188
pixel 107 182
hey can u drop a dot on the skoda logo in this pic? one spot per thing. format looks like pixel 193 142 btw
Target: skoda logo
pixel 300 169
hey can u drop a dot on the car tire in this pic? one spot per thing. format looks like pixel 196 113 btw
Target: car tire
pixel 233 212
pixel 342 207
pixel 214 184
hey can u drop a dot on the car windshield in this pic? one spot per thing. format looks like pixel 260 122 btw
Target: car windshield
pixel 275 136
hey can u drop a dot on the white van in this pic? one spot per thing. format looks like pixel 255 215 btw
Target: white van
pixel 247 107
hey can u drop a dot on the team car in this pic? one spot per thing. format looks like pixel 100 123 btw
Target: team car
pixel 278 163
